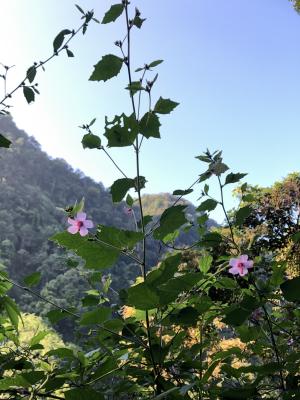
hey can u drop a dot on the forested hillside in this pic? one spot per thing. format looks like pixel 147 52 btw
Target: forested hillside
pixel 33 188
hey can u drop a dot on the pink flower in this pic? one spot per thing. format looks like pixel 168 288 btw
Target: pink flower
pixel 240 265
pixel 80 224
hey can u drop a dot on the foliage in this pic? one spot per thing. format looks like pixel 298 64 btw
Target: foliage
pixel 189 328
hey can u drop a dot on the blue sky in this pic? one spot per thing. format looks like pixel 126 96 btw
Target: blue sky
pixel 232 65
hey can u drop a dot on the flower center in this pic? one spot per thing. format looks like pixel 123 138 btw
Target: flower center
pixel 79 224
pixel 241 266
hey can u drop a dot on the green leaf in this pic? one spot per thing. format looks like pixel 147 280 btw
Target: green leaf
pixel 83 393
pixel 164 106
pixel 129 200
pixel 239 393
pixel 4 142
pixel 69 53
pixel 242 214
pixel 169 291
pixel 142 297
pixel 138 21
pixel 95 255
pixel 118 237
pixel 62 353
pixel 211 239
pixel 237 314
pixel 207 205
pixel 180 192
pixel 57 315
pixel 108 67
pixel 79 9
pixel 113 13
pixel 119 189
pixel 164 272
pixel 38 337
pixel 29 94
pixel 155 63
pixel 12 310
pixel 172 218
pixel 149 125
pixel 218 168
pixel 58 41
pixel 205 263
pixel 30 74
pixel 8 383
pixel 97 316
pixel 91 141
pixel 123 131
pixel 135 87
pixel 233 178
pixel 187 316
pixel 296 237
pixel 32 279
pixel 291 289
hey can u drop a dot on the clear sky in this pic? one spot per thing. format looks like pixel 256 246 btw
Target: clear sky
pixel 232 65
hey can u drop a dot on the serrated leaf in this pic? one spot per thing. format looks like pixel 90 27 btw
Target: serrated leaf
pixel 95 254
pixel 119 189
pixel 172 218
pixel 180 192
pixel 291 289
pixel 30 74
pixel 4 142
pixel 211 239
pixel 218 168
pixel 59 39
pixel 233 178
pixel 108 67
pixel 32 279
pixel 97 316
pixel 135 87
pixel 242 214
pixel 123 131
pixel 149 125
pixel 207 205
pixel 164 106
pixel 169 291
pixel 91 141
pixel 138 21
pixel 120 238
pixel 57 315
pixel 113 13
pixel 205 263
pixel 142 297
pixel 29 94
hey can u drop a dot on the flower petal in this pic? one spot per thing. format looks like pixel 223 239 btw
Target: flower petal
pixel 81 216
pixel 234 271
pixel 72 221
pixel 88 223
pixel 243 258
pixel 73 229
pixel 83 231
pixel 233 262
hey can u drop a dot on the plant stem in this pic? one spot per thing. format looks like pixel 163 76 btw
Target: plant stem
pixel 138 188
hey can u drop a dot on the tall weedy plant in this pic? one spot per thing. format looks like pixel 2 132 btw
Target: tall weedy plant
pixel 214 320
